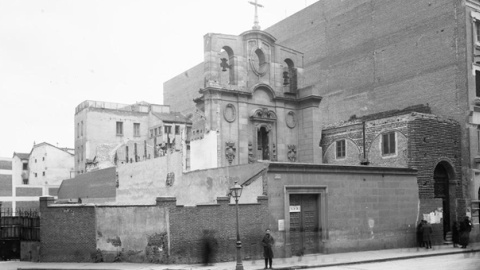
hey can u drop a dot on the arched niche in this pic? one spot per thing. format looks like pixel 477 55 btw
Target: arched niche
pixel 263 94
pixel 227 64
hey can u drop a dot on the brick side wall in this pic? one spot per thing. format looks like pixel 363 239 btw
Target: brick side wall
pixel 423 141
pixel 5 165
pixel 430 143
pixel 6 205
pixel 29 191
pixel 188 223
pixel 53 191
pixel 66 233
pixel 5 185
pixel 27 205
pixel 180 91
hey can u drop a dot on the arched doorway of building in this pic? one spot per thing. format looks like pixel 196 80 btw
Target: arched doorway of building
pixel 262 143
pixel 443 175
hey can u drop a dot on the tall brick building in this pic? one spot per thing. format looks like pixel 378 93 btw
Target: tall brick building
pixel 366 57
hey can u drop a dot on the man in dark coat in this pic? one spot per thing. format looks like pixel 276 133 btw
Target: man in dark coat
pixel 267 243
pixel 427 234
pixel 465 228
pixel 455 233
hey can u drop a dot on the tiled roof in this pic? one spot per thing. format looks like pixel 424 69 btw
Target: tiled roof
pixel 21 155
pixel 64 149
pixel 173 117
pixel 95 184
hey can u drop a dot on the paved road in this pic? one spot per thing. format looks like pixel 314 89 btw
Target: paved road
pixel 467 261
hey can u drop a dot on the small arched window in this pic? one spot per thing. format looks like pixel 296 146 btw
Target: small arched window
pixel 290 75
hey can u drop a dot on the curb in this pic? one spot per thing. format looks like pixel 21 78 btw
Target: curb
pixel 379 260
pixel 295 267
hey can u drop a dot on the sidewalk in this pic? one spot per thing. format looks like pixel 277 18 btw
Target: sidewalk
pixel 307 261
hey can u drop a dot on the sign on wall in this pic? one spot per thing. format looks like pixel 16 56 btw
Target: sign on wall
pixel 295 208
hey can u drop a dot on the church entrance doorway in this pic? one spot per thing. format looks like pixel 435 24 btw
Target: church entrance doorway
pixel 442 190
pixel 304 224
pixel 262 143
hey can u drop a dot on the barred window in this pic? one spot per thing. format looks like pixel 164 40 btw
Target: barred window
pixel 340 146
pixel 388 143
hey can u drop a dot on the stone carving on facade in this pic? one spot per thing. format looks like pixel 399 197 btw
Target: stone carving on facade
pixel 230 113
pixel 267 127
pixel 251 157
pixel 264 114
pixel 292 153
pixel 230 151
pixel 274 152
pixel 170 179
pixel 291 119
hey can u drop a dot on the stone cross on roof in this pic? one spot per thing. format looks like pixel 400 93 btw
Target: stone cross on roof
pixel 256 26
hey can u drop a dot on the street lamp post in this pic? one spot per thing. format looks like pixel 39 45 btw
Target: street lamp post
pixel 236 192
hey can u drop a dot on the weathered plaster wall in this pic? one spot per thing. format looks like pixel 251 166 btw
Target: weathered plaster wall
pixel 133 233
pixel 141 182
pixel 100 128
pixel 204 186
pixel 203 152
pixel 49 165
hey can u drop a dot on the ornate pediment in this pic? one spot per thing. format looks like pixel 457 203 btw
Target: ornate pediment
pixel 263 114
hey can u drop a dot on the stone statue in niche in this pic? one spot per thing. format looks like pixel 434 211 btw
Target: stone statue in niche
pixel 170 179
pixel 251 157
pixel 292 153
pixel 230 151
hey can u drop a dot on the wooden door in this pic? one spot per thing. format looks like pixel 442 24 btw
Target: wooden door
pixel 304 224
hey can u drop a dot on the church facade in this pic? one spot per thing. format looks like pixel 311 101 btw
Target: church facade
pixel 255 98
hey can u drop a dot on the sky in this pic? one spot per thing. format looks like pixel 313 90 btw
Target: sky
pixel 55 54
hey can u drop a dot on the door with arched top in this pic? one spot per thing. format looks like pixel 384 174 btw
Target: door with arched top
pixel 441 190
pixel 262 144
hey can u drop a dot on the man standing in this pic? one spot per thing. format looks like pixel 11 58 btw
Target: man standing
pixel 267 243
pixel 427 234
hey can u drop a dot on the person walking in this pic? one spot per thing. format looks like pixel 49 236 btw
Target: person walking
pixel 465 228
pixel 267 243
pixel 420 234
pixel 427 234
pixel 209 247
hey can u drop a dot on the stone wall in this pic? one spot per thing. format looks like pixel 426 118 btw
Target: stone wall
pixel 161 233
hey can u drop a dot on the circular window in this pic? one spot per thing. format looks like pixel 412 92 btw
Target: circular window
pixel 258 61
pixel 291 119
pixel 229 113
